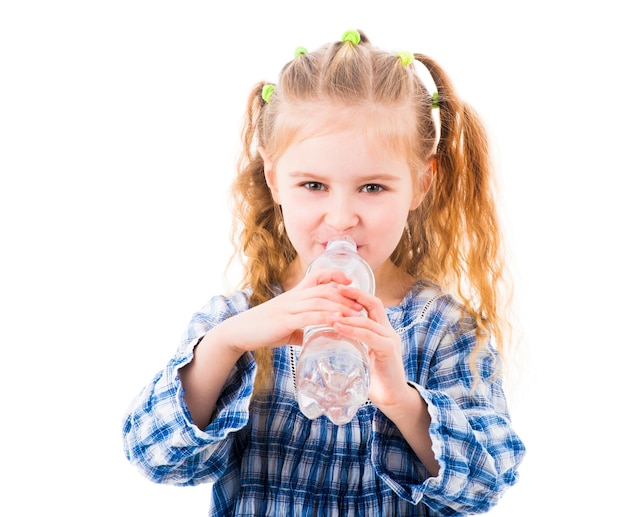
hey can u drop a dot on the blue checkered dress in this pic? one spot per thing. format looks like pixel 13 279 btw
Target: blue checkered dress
pixel 264 458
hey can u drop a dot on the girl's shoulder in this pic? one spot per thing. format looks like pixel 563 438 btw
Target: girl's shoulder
pixel 428 302
pixel 223 306
pixel 426 295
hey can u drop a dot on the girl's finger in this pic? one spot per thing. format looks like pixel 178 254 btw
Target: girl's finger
pixel 323 297
pixel 325 276
pixel 375 335
pixel 370 303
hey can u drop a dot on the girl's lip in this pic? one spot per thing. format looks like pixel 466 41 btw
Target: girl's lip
pixel 325 244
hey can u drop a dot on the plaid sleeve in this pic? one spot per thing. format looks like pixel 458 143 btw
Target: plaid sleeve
pixel 473 440
pixel 159 437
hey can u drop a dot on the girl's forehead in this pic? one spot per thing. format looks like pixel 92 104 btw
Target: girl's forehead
pixel 390 126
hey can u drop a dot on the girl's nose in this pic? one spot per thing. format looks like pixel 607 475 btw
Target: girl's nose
pixel 341 215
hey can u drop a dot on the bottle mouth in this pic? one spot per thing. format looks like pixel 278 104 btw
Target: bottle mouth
pixel 340 240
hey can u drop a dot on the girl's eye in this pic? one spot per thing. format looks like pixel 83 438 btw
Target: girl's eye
pixel 313 185
pixel 372 189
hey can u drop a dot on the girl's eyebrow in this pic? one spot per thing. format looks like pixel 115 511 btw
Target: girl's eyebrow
pixel 370 178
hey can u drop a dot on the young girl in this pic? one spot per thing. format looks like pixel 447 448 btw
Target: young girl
pixel 354 141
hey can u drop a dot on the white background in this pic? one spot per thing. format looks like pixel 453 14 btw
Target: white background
pixel 119 128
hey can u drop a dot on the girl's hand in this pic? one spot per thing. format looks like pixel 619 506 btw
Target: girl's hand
pixel 279 321
pixel 387 376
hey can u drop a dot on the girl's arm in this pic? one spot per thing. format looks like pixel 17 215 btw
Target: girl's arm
pixel 158 432
pixel 389 389
pixel 410 415
pixel 181 428
pixel 469 432
pixel 204 377
pixel 274 323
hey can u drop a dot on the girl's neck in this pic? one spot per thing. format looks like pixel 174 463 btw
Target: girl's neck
pixel 392 284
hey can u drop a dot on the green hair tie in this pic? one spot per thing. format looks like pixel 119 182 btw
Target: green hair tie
pixel 267 91
pixel 406 57
pixel 436 100
pixel 300 51
pixel 352 36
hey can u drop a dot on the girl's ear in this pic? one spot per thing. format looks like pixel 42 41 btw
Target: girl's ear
pixel 424 182
pixel 270 176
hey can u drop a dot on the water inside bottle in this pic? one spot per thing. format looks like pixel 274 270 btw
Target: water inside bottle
pixel 333 379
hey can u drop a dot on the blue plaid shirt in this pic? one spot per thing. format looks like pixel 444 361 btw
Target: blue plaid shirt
pixel 263 457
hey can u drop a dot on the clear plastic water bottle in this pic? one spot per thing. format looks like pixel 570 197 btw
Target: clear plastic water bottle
pixel 332 373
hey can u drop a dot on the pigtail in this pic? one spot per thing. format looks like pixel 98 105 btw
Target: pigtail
pixel 258 232
pixel 462 224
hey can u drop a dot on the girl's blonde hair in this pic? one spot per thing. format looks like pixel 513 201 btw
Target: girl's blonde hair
pixel 452 238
